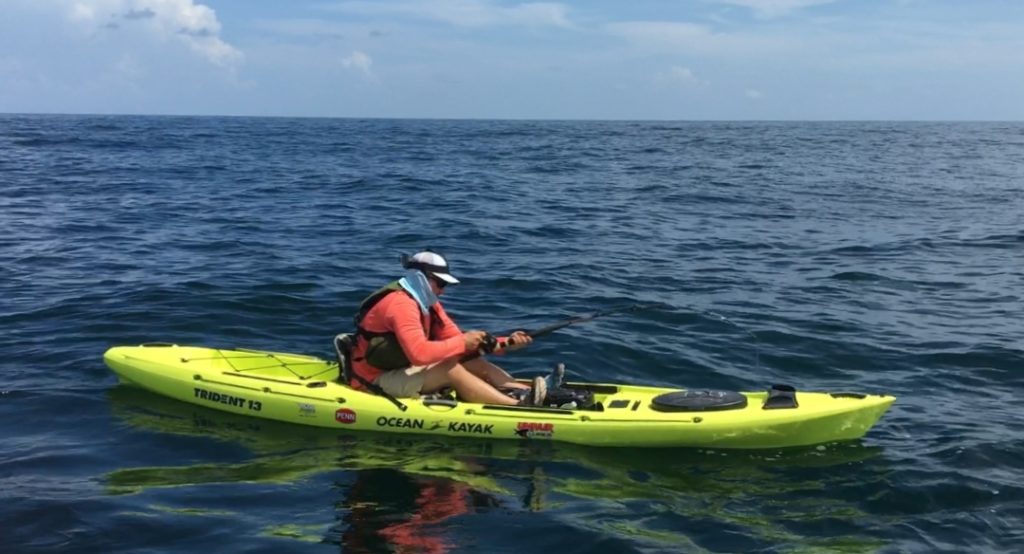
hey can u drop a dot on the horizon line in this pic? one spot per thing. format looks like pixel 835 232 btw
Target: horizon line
pixel 509 119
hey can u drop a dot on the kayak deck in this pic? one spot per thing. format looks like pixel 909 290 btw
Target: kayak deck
pixel 304 390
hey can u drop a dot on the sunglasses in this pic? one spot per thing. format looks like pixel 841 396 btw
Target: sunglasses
pixel 439 282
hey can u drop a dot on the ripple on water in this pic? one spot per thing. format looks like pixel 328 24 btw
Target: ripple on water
pixel 881 257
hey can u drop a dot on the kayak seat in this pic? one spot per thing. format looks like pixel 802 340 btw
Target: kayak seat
pixel 343 344
pixel 698 401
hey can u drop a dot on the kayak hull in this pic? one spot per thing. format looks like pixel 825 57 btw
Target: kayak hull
pixel 304 390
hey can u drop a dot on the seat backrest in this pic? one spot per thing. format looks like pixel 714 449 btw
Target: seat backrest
pixel 343 344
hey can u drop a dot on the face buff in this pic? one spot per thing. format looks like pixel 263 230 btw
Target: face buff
pixel 416 284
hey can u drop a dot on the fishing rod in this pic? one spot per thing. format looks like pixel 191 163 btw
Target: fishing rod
pixel 723 319
pixel 493 344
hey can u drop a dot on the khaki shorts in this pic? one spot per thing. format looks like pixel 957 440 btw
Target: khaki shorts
pixel 402 383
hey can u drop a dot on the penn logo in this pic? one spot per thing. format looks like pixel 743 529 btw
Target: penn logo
pixel 345 416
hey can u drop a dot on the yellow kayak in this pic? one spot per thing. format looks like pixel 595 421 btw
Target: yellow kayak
pixel 305 390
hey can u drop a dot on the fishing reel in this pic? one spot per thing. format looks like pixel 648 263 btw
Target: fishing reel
pixel 490 344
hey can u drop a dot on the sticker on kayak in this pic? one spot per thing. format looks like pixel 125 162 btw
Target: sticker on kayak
pixel 345 415
pixel 234 401
pixel 397 422
pixel 535 430
pixel 472 428
pixel 307 410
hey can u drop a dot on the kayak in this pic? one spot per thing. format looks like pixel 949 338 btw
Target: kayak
pixel 301 389
pixel 283 453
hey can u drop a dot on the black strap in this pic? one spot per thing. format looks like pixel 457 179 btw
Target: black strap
pixel 344 351
pixel 375 388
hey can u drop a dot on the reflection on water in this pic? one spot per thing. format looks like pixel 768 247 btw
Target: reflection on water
pixel 385 507
pixel 409 493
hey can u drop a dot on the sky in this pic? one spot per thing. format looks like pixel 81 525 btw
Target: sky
pixel 498 59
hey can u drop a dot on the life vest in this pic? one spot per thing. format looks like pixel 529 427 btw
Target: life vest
pixel 383 351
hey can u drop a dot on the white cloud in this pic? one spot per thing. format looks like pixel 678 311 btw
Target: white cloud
pixel 678 36
pixel 358 60
pixel 302 27
pixel 129 66
pixel 680 76
pixel 195 25
pixel 464 13
pixel 666 32
pixel 681 73
pixel 774 8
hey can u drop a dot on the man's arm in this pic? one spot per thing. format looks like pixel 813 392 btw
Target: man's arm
pixel 404 317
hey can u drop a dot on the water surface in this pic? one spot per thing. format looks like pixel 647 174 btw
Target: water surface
pixel 875 257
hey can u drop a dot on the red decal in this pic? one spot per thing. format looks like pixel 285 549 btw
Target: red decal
pixel 535 429
pixel 345 415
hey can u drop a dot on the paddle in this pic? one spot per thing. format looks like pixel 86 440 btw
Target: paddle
pixel 492 344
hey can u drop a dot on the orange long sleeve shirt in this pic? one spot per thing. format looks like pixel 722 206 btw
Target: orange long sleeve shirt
pixel 398 313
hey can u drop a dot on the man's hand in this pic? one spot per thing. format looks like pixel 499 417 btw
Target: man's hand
pixel 474 340
pixel 518 340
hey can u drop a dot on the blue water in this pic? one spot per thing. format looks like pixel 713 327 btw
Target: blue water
pixel 874 257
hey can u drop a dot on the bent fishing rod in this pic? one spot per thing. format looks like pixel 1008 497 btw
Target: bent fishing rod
pixel 493 344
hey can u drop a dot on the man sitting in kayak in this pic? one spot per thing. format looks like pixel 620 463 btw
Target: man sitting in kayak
pixel 407 345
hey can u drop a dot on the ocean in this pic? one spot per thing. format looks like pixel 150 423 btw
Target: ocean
pixel 882 257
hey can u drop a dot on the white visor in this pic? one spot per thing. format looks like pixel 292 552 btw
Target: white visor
pixel 433 264
pixel 446 277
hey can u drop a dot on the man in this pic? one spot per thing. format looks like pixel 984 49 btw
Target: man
pixel 407 345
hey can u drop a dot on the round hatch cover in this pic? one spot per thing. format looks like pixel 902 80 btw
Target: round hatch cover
pixel 698 401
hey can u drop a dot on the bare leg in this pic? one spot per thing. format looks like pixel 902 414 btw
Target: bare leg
pixel 493 374
pixel 470 386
